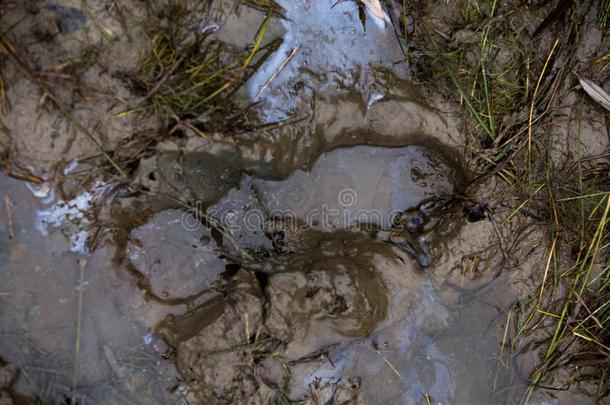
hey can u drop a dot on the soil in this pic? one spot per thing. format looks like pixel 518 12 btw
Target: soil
pixel 338 251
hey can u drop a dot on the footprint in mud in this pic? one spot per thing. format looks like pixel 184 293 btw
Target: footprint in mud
pixel 396 194
pixel 360 184
pixel 340 291
pixel 324 299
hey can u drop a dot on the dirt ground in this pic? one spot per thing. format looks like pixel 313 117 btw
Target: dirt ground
pixel 304 202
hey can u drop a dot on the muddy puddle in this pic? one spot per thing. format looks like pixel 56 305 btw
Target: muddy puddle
pixel 46 274
pixel 300 262
pixel 326 298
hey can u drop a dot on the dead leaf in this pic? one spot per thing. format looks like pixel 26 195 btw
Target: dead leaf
pixel 374 7
pixel 595 92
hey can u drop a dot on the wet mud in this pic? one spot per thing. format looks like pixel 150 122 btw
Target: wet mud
pixel 333 249
pixel 313 308
pixel 8 376
pixel 338 122
pixel 283 263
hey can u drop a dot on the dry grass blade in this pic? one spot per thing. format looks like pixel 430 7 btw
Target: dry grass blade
pixel 595 92
pixel 4 107
pixel 603 13
pixel 9 216
pixel 534 98
pixel 388 363
pixel 79 317
pixel 268 6
pixel 191 78
pixel 278 71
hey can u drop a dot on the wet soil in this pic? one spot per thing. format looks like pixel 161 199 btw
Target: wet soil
pixel 333 253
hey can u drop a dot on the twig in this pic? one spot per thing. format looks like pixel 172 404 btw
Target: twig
pixel 388 363
pixel 22 176
pixel 278 71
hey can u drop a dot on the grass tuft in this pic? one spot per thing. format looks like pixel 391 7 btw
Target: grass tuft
pixel 512 92
pixel 189 76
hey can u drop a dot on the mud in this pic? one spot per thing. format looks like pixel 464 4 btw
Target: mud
pixel 183 271
pixel 119 358
pixel 363 184
pixel 332 250
pixel 71 47
pixel 337 122
pixel 322 301
pixel 7 378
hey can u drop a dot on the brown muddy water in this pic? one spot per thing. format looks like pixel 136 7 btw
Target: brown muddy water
pixel 306 272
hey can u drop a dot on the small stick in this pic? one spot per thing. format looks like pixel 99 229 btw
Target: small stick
pixel 278 71
pixel 505 337
pixel 82 264
pixel 388 363
pixel 9 215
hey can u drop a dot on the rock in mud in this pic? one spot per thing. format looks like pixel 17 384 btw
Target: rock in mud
pixel 68 18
